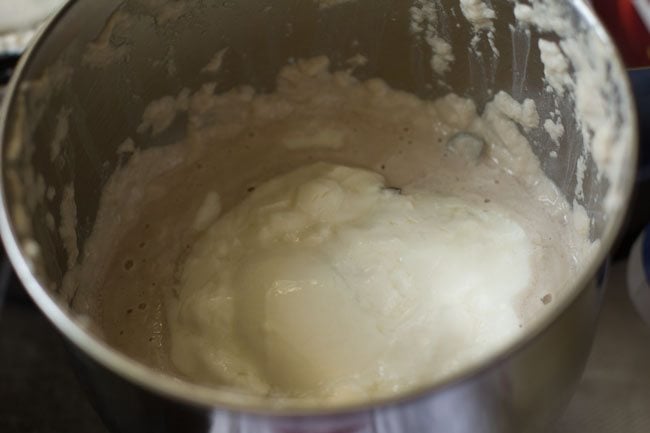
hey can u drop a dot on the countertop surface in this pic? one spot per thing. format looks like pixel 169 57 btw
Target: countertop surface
pixel 39 391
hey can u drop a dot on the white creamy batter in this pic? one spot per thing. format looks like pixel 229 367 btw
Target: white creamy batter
pixel 359 241
pixel 324 283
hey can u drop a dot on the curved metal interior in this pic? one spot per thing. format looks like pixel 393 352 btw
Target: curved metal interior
pixel 161 52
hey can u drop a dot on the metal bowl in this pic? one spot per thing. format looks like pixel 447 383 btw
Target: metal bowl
pixel 103 61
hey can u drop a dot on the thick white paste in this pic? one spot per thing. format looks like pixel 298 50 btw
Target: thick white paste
pixel 293 270
pixel 324 283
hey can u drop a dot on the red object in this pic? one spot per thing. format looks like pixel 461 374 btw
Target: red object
pixel 627 28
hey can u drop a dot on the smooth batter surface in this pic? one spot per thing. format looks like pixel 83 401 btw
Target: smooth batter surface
pixel 296 270
pixel 324 283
